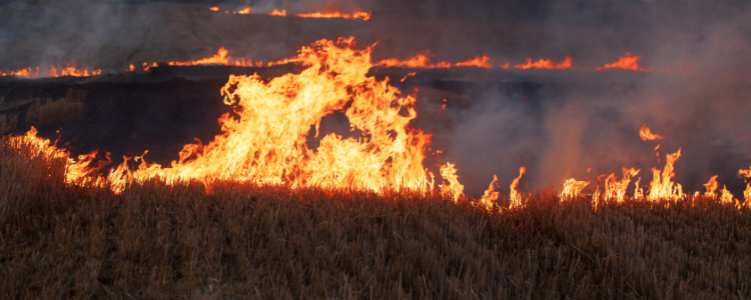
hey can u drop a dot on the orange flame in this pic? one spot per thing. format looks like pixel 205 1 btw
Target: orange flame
pixel 282 13
pixel 516 197
pixel 662 185
pixel 421 60
pixel 646 134
pixel 361 15
pixel 627 62
pixel 244 11
pixel 572 188
pixel 747 192
pixel 490 195
pixel 453 189
pixel 68 70
pixel 221 57
pixel 267 142
pixel 214 8
pixel 616 190
pixel 711 187
pixel 545 63
pixel 478 61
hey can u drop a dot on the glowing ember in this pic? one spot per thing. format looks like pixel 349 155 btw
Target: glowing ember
pixel 646 134
pixel 516 197
pixel 627 62
pixel 545 63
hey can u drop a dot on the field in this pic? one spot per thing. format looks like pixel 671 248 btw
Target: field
pixel 242 241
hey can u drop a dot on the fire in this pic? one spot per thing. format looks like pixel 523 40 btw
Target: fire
pixel 646 134
pixel 221 57
pixel 545 63
pixel 276 12
pixel 453 189
pixel 421 60
pixel 627 62
pixel 747 192
pixel 267 144
pixel 711 187
pixel 358 15
pixel 244 11
pixel 490 195
pixel 662 185
pixel 214 8
pixel 68 70
pixel 516 197
pixel 615 189
pixel 478 61
pixel 572 188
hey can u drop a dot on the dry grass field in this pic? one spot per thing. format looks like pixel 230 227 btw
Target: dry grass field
pixel 241 241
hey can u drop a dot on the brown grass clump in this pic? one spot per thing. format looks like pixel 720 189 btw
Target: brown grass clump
pixel 58 112
pixel 241 241
pixel 8 123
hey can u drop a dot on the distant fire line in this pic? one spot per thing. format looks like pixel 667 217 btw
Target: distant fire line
pixel 357 15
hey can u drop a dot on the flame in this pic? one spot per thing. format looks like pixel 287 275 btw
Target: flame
pixel 747 192
pixel 726 197
pixel 646 134
pixel 68 70
pixel 214 8
pixel 662 185
pixel 516 197
pixel 276 12
pixel 627 62
pixel 490 195
pixel 711 187
pixel 267 142
pixel 478 61
pixel 421 60
pixel 453 189
pixel 616 190
pixel 221 57
pixel 244 11
pixel 572 188
pixel 358 15
pixel 545 63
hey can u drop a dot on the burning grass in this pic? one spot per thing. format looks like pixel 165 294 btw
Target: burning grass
pixel 270 242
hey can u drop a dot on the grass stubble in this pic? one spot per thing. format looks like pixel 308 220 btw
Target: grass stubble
pixel 245 241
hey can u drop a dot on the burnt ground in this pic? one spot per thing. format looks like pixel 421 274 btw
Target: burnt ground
pixel 494 122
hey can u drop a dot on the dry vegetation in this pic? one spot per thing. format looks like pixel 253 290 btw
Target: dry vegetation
pixel 60 112
pixel 252 242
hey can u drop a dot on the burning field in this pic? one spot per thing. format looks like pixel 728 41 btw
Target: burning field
pixel 364 150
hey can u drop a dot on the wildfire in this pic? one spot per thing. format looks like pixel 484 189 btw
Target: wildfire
pixel 545 63
pixel 278 13
pixel 421 60
pixel 220 58
pixel 515 197
pixel 490 195
pixel 662 185
pixel 453 188
pixel 358 15
pixel 478 61
pixel 572 188
pixel 627 62
pixel 68 70
pixel 646 134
